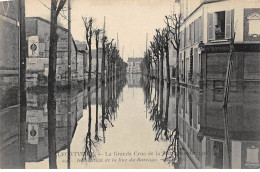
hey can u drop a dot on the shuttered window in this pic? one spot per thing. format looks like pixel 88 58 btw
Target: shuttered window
pixel 196 30
pixel 228 24
pixel 210 27
pixel 200 29
pixel 185 37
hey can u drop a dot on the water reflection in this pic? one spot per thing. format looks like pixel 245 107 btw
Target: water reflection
pixel 190 128
pixel 204 134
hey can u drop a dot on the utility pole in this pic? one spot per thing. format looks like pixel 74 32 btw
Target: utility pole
pixel 23 106
pixel 69 83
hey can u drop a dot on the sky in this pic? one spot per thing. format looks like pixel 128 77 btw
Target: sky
pixel 130 19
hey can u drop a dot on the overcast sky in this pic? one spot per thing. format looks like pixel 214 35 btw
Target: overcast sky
pixel 131 19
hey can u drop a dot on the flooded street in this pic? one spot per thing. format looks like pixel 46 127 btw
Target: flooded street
pixel 138 128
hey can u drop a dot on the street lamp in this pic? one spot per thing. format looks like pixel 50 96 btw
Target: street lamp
pixel 202 46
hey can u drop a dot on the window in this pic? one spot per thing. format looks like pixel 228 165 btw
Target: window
pixel 190 32
pixel 133 64
pixel 220 25
pixel 254 23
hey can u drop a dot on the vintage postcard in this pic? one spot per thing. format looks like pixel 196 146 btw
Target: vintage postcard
pixel 129 84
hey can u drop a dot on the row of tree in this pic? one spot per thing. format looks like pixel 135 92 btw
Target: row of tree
pixel 159 49
pixel 110 54
pixel 115 65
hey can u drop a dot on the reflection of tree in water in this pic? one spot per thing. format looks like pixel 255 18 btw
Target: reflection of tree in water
pixel 108 107
pixel 90 145
pixel 147 85
pixel 161 122
pixel 172 152
pixel 160 125
pixel 172 155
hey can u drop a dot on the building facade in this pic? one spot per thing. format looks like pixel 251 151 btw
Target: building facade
pixel 38 36
pixel 134 65
pixel 208 26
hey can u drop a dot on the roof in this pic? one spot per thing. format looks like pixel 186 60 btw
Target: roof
pixel 131 59
pixel 81 46
pixel 66 30
pixel 47 21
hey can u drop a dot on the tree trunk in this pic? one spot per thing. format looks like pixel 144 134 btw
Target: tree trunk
pixel 97 64
pixel 167 63
pixel 23 100
pixel 177 70
pixel 84 69
pixel 161 70
pixel 151 69
pixel 158 69
pixel 51 87
pixel 103 62
pixel 90 62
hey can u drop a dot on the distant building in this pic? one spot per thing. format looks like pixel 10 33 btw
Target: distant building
pixel 134 65
pixel 38 36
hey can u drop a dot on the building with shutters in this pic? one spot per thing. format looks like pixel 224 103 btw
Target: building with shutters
pixel 205 42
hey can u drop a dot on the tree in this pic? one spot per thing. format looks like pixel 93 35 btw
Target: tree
pixel 160 41
pixel 155 56
pixel 88 23
pixel 55 10
pixel 97 32
pixel 166 49
pixel 173 23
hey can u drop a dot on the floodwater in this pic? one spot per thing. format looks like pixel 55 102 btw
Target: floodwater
pixel 132 123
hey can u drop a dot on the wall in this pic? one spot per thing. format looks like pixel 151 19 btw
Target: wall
pixel 9 53
pixel 39 64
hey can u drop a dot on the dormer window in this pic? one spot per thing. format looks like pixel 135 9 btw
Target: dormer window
pixel 254 23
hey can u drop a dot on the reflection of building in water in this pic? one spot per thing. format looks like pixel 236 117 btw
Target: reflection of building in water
pixel 134 65
pixel 134 80
pixel 206 142
pixel 37 124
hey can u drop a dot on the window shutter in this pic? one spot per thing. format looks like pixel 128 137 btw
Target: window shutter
pixel 185 37
pixel 210 27
pixel 232 22
pixel 197 30
pixel 192 33
pixel 200 29
pixel 228 24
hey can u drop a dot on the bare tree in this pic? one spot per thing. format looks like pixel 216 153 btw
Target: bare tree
pixel 166 49
pixel 155 56
pixel 173 23
pixel 56 7
pixel 88 23
pixel 160 41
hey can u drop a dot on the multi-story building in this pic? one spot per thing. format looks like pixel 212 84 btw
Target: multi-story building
pixel 134 65
pixel 38 36
pixel 208 26
pixel 9 84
